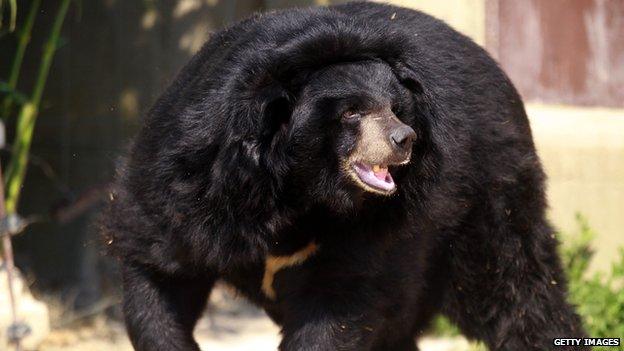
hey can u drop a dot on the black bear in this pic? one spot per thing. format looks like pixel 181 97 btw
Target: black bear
pixel 353 170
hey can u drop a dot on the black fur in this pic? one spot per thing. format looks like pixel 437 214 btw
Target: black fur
pixel 240 158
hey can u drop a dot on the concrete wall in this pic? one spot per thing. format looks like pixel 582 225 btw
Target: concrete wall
pixel 582 150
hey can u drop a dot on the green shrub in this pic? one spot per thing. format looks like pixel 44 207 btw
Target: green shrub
pixel 442 326
pixel 599 297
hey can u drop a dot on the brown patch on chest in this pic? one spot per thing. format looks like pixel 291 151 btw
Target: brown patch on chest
pixel 274 264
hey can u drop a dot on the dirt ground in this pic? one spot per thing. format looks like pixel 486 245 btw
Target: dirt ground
pixel 230 324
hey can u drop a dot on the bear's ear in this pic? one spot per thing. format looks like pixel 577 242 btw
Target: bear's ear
pixel 275 115
pixel 407 77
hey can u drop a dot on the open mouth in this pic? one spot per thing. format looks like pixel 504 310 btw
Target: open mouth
pixel 377 177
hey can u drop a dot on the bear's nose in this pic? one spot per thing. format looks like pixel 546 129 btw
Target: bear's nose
pixel 402 137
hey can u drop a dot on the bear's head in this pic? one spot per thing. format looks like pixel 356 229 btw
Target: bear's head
pixel 336 115
pixel 346 132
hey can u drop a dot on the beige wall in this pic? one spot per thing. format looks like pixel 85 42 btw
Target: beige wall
pixel 467 16
pixel 582 149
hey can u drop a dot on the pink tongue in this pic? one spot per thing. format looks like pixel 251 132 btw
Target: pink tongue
pixel 380 180
pixel 382 174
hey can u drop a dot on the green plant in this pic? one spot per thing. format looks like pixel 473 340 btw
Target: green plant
pixel 599 296
pixel 29 104
pixel 12 11
pixel 442 326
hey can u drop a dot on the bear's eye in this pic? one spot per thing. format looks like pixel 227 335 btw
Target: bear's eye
pixel 351 115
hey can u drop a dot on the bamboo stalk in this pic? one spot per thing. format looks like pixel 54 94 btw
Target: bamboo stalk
pixel 13 6
pixel 23 40
pixel 19 155
pixel 28 116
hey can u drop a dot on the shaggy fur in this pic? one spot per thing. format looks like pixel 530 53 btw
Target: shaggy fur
pixel 243 158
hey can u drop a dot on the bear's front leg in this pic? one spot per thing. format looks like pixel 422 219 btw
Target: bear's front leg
pixel 508 288
pixel 322 332
pixel 161 311
pixel 318 322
